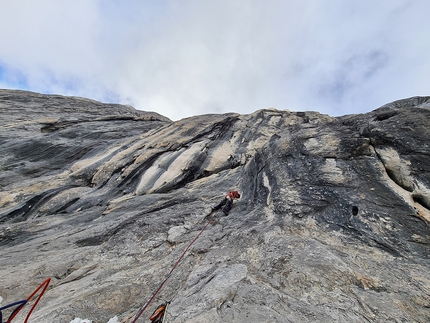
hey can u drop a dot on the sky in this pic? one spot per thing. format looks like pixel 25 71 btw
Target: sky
pixel 189 57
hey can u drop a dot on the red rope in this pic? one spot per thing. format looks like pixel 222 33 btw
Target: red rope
pixel 169 274
pixel 45 286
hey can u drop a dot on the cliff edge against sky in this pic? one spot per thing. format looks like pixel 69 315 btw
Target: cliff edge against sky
pixel 332 226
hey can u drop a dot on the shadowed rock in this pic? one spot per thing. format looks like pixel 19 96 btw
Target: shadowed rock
pixel 332 226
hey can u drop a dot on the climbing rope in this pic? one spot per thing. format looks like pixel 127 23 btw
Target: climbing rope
pixel 20 303
pixel 23 302
pixel 157 290
pixel 165 312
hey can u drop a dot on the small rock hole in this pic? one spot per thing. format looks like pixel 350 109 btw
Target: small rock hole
pixel 418 198
pixel 354 210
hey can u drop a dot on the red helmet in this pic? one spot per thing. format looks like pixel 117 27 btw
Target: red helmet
pixel 233 194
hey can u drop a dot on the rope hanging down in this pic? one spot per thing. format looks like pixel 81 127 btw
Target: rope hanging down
pixel 157 290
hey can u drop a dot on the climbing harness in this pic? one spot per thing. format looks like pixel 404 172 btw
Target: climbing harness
pixel 157 290
pixel 22 303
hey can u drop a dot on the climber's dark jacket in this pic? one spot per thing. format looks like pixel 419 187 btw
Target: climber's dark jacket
pixel 227 202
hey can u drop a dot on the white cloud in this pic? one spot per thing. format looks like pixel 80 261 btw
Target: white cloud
pixel 193 57
pixel 46 34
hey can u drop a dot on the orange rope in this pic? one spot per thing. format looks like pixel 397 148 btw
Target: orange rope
pixel 45 286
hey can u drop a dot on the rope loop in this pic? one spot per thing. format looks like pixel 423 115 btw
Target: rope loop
pixel 22 303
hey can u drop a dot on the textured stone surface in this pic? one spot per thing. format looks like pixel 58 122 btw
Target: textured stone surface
pixel 333 224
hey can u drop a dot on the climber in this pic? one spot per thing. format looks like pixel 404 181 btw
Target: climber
pixel 227 202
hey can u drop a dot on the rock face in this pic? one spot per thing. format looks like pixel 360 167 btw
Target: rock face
pixel 332 226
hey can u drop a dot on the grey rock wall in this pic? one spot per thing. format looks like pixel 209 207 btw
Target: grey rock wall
pixel 332 226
